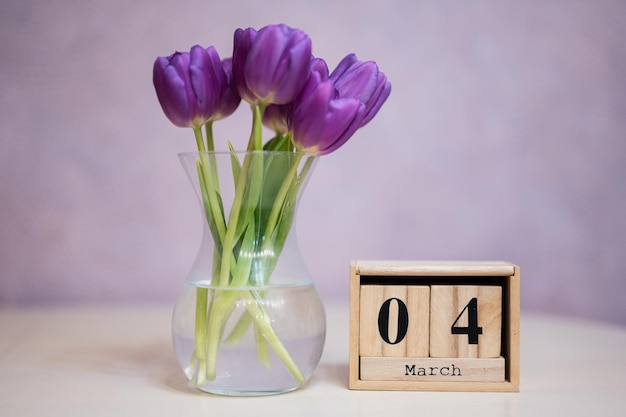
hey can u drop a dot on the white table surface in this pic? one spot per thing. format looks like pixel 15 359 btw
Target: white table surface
pixel 118 361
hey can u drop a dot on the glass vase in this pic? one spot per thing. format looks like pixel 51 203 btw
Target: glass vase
pixel 248 320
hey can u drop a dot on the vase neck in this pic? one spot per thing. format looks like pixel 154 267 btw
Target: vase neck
pixel 249 203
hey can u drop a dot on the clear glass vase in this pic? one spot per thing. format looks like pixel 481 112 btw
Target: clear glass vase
pixel 248 320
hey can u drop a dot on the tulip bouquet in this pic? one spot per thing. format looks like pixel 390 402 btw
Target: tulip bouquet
pixel 310 110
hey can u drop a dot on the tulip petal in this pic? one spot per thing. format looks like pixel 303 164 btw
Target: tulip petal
pixel 230 99
pixel 342 121
pixel 294 71
pixel 242 43
pixel 264 58
pixel 343 66
pixel 382 93
pixel 208 80
pixel 309 114
pixel 171 91
pixel 359 81
pixel 319 67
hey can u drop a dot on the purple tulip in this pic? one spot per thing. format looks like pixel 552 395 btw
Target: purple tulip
pixel 321 120
pixel 361 80
pixel 230 99
pixel 191 86
pixel 271 66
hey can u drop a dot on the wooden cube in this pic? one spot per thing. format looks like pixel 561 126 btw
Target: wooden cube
pixel 465 321
pixel 394 320
pixel 469 302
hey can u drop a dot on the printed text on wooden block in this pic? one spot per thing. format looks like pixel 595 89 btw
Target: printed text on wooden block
pixel 432 369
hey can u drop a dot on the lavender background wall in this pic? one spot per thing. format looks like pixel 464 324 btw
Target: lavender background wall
pixel 504 138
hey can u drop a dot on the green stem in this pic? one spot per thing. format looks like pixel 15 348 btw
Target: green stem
pixel 208 128
pixel 201 337
pixel 262 349
pixel 255 143
pixel 222 303
pixel 229 238
pixel 210 180
pixel 210 146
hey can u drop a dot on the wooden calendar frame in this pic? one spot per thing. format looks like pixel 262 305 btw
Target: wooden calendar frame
pixel 503 274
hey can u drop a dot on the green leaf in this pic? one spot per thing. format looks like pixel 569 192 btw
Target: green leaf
pixel 279 143
pixel 285 221
pixel 286 216
pixel 251 184
pixel 275 171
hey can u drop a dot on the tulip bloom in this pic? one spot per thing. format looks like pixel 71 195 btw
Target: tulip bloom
pixel 191 86
pixel 321 120
pixel 361 80
pixel 271 66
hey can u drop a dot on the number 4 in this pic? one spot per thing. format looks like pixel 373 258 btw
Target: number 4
pixel 472 330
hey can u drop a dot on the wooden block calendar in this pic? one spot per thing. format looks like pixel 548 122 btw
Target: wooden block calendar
pixel 434 326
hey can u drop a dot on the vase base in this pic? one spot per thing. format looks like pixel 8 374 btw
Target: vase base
pixel 229 392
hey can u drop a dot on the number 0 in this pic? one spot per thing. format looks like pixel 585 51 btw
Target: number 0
pixel 383 321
